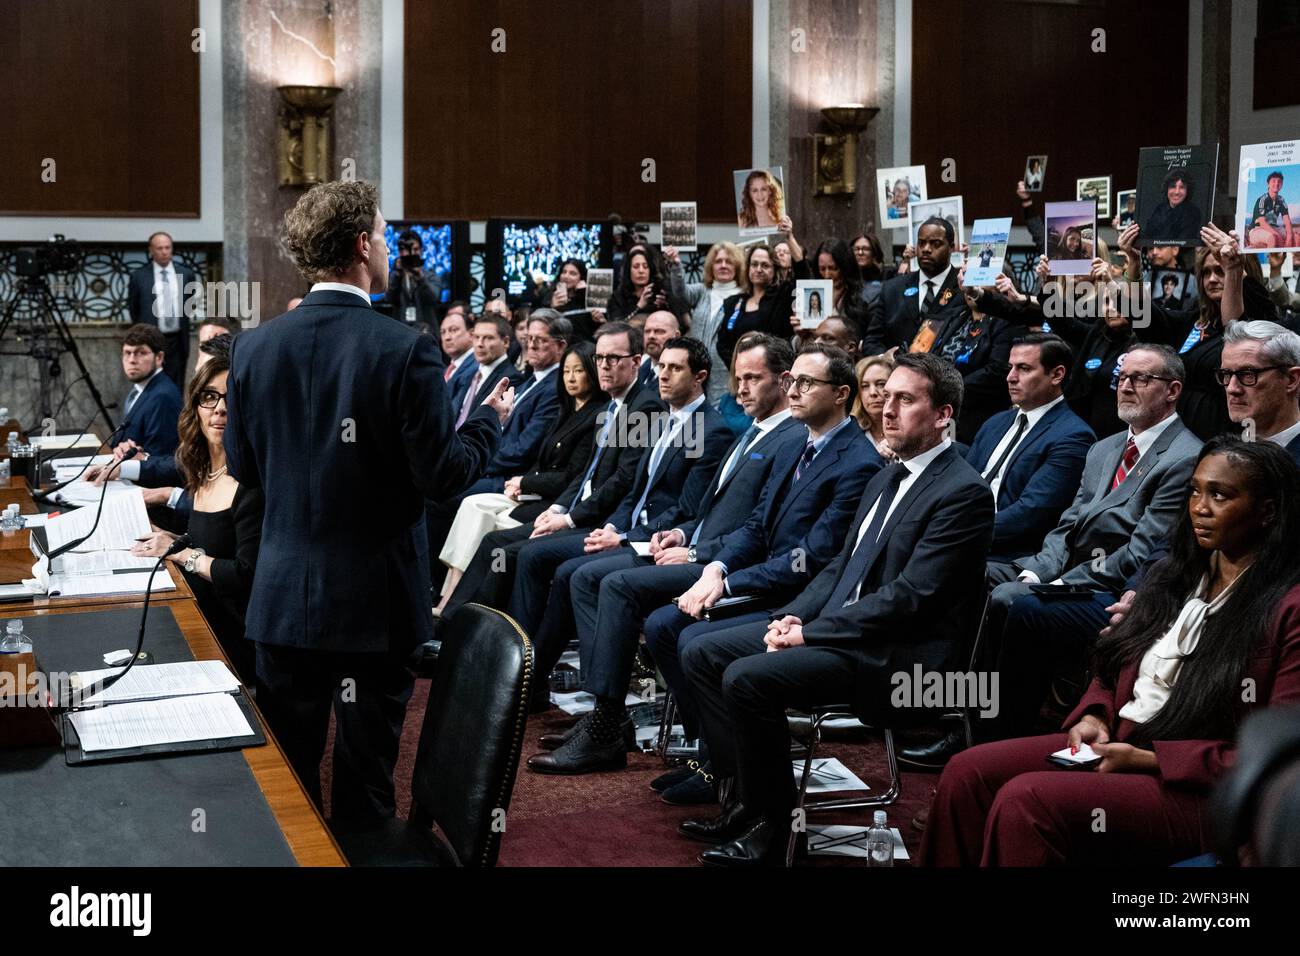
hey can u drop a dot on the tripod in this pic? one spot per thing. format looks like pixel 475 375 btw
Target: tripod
pixel 49 338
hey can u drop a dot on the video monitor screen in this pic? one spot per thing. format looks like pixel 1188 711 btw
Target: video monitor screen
pixel 530 251
pixel 443 249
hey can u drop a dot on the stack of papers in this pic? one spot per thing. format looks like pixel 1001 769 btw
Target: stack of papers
pixel 54 442
pixel 102 564
pixel 161 704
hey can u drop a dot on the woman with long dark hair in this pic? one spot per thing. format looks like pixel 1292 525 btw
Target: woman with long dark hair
pixel 1213 633
pixel 226 521
pixel 642 287
pixel 568 293
pixel 563 453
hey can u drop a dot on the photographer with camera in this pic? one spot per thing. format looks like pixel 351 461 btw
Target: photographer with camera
pixel 413 293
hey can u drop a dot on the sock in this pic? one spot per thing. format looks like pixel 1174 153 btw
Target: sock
pixel 607 720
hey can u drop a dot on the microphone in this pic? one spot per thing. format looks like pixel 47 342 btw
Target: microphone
pixel 44 495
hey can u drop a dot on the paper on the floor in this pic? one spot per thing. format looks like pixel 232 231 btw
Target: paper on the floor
pixel 841 723
pixel 839 840
pixel 156 681
pixel 151 722
pixel 828 775
pixel 652 732
pixel 580 702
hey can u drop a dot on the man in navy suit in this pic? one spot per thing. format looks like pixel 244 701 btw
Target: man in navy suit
pixel 913 308
pixel 537 403
pixel 325 401
pixel 492 337
pixel 157 296
pixel 1032 455
pixel 610 469
pixel 458 347
pixel 153 403
pixel 684 449
pixel 898 596
pixel 771 540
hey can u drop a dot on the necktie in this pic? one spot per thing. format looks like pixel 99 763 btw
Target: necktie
pixel 130 399
pixel 1125 464
pixel 804 460
pixel 723 475
pixel 1022 422
pixel 466 405
pixel 449 372
pixel 656 456
pixel 850 583
pixel 167 320
pixel 929 296
pixel 601 441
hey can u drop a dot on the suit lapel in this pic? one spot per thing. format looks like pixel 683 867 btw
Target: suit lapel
pixel 919 487
pixel 1035 435
pixel 829 456
pixel 1112 498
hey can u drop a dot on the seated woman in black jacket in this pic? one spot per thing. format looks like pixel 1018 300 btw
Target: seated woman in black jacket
pixel 225 524
pixel 643 287
pixel 563 453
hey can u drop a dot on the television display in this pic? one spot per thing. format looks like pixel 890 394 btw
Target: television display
pixel 524 252
pixel 446 251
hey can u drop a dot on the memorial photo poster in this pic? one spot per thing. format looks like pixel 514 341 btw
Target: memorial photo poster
pixel 760 200
pixel 898 187
pixel 1071 236
pixel 1175 193
pixel 1268 197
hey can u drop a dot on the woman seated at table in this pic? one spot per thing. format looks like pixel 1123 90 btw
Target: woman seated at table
pixel 563 455
pixel 225 524
pixel 1213 632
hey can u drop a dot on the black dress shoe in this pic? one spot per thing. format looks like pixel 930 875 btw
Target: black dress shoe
pixel 581 754
pixel 675 776
pixel 727 825
pixel 699 788
pixel 554 741
pixel 934 756
pixel 762 844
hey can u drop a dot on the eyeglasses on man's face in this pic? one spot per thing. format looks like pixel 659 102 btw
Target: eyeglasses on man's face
pixel 609 361
pixel 1248 376
pixel 804 384
pixel 1141 379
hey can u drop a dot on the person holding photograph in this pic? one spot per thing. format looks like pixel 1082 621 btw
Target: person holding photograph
pixel 1034 174
pixel 723 277
pixel 768 306
pixel 1220 613
pixel 642 288
pixel 784 260
pixel 568 293
pixel 762 202
pixel 1270 218
pixel 815 307
pixel 1177 219
pixel 836 262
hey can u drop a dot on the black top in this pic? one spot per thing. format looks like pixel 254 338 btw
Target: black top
pixel 231 538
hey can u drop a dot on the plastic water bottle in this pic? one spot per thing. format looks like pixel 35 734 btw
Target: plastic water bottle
pixel 880 842
pixel 15 641
pixel 12 443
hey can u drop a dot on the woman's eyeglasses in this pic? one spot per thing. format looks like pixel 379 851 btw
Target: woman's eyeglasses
pixel 209 397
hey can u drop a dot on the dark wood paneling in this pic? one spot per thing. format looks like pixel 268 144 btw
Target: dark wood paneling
pixel 995 82
pixel 110 92
pixel 559 124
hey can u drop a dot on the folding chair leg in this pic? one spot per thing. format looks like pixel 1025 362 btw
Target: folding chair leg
pixel 666 726
pixel 814 737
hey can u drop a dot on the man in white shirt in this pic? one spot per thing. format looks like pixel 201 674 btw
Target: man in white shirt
pixel 157 296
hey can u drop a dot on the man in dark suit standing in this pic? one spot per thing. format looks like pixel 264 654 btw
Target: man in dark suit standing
pixel 899 594
pixel 157 297
pixel 323 400
pixel 152 405
pixel 913 308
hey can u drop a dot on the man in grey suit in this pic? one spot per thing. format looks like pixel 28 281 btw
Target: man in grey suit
pixel 1134 484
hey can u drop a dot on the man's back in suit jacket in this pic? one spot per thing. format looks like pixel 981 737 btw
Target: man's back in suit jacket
pixel 1107 533
pixel 326 402
pixel 1040 478
pixel 924 583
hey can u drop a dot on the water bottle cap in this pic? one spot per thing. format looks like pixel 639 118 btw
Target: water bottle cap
pixel 14 627
pixel 879 818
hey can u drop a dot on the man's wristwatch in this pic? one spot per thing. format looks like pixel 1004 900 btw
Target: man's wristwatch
pixel 191 564
pixel 691 557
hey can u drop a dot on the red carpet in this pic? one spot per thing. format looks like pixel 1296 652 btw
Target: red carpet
pixel 613 819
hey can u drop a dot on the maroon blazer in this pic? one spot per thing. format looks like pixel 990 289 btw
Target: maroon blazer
pixel 1274 668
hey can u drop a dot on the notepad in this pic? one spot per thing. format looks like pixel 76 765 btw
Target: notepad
pixel 642 548
pixel 149 723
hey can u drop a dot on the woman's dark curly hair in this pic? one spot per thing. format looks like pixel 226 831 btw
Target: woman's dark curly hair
pixel 192 458
pixel 1206 700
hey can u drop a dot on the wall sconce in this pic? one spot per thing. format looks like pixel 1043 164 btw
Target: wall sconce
pixel 306 134
pixel 835 157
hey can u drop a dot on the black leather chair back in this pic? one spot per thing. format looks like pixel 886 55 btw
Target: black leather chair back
pixel 473 733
